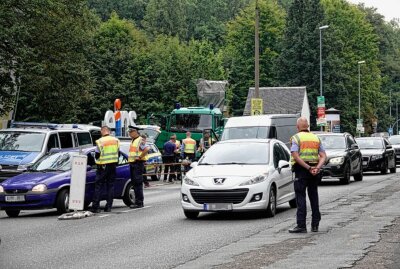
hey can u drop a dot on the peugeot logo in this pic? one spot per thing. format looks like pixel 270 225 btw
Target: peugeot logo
pixel 219 181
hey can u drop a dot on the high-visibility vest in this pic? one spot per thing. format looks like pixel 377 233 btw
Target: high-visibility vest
pixel 135 151
pixel 309 145
pixel 190 145
pixel 178 146
pixel 109 148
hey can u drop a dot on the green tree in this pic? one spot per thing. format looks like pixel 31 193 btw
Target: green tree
pixel 118 48
pixel 239 50
pixel 126 9
pixel 349 39
pixel 299 60
pixel 166 17
pixel 50 40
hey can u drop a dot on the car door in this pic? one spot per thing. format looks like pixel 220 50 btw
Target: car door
pixel 122 175
pixel 390 154
pixel 281 176
pixel 90 177
pixel 286 173
pixel 354 154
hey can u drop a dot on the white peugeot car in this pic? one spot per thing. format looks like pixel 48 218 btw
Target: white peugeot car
pixel 239 175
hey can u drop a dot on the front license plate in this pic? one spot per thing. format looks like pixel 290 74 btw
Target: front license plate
pixel 365 163
pixel 218 207
pixel 15 198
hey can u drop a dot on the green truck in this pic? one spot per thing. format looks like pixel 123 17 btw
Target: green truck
pixel 181 120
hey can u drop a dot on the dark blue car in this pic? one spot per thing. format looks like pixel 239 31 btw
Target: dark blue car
pixel 46 184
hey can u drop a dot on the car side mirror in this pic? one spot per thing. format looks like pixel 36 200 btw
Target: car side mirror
pixel 193 164
pixel 354 146
pixel 389 146
pixel 283 164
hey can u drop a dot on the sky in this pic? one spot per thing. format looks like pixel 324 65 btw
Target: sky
pixel 388 8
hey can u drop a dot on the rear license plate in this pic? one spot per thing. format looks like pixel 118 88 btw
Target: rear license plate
pixel 365 163
pixel 15 198
pixel 218 207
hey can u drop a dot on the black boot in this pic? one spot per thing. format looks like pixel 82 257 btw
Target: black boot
pixel 298 229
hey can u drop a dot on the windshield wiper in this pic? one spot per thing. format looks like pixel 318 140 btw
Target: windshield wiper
pixel 230 163
pixel 206 163
pixel 50 170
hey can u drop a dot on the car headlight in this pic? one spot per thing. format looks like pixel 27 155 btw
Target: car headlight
pixel 376 157
pixel 1 189
pixel 189 181
pixel 39 188
pixel 255 180
pixel 336 160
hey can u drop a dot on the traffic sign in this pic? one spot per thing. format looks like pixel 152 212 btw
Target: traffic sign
pixel 321 101
pixel 256 106
pixel 390 131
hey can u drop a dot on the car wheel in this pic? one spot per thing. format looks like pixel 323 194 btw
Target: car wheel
pixel 359 175
pixel 293 203
pixel 129 195
pixel 191 214
pixel 12 213
pixel 393 170
pixel 157 172
pixel 271 209
pixel 62 201
pixel 346 179
pixel 384 168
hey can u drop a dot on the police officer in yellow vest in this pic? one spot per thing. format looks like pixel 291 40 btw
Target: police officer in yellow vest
pixel 188 149
pixel 137 157
pixel 107 153
pixel 308 156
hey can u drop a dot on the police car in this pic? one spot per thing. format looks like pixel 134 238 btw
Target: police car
pixel 23 144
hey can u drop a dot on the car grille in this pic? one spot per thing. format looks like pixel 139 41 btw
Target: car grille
pixel 235 196
pixel 15 191
pixel 7 173
pixel 397 150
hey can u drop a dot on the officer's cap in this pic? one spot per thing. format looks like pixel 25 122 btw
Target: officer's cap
pixel 131 128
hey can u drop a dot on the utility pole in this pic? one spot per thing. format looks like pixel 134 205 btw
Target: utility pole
pixel 390 105
pixel 257 54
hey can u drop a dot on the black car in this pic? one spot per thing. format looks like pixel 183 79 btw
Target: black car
pixel 395 141
pixel 343 157
pixel 378 154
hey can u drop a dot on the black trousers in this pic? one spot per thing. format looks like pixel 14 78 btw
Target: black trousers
pixel 105 175
pixel 137 169
pixel 305 181
pixel 191 157
pixel 171 168
pixel 178 167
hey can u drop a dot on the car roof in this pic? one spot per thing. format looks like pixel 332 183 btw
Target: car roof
pixel 330 134
pixel 371 137
pixel 251 140
pixel 40 130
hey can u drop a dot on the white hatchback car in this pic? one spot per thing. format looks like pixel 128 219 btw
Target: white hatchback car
pixel 239 175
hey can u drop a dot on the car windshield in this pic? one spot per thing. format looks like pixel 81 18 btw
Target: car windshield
pixel 236 153
pixel 150 133
pixel 245 132
pixel 394 140
pixel 21 141
pixel 333 142
pixel 58 161
pixel 190 122
pixel 370 143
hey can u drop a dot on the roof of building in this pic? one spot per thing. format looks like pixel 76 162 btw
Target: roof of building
pixel 278 100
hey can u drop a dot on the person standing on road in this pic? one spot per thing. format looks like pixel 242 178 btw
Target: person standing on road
pixel 137 157
pixel 177 154
pixel 107 153
pixel 145 181
pixel 188 149
pixel 169 159
pixel 308 156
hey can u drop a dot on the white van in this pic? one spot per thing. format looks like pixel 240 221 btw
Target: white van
pixel 279 126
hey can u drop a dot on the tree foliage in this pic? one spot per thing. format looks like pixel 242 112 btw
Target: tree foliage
pixel 239 49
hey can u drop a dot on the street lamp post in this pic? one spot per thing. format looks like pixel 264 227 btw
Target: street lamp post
pixel 320 60
pixel 359 93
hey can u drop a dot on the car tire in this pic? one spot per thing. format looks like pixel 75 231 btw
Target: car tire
pixel 157 175
pixel 393 170
pixel 293 203
pixel 271 208
pixel 359 175
pixel 129 195
pixel 12 213
pixel 191 214
pixel 345 180
pixel 385 168
pixel 62 201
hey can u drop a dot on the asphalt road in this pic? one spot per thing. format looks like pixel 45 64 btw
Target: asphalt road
pixel 159 236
